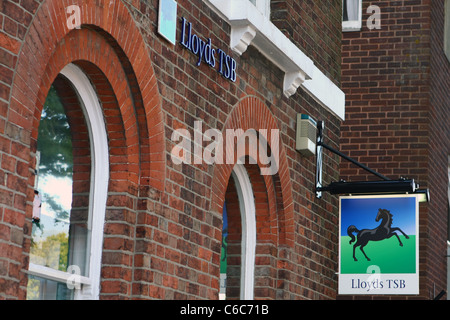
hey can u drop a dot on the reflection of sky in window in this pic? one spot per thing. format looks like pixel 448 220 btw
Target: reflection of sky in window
pixel 60 191
pixel 362 213
pixel 167 25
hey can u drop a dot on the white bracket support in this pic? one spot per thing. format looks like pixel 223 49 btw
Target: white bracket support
pixel 241 37
pixel 292 80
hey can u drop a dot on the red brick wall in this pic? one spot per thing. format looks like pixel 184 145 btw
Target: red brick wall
pixel 312 25
pixel 396 84
pixel 196 93
pixel 163 221
pixel 439 145
pixel 385 74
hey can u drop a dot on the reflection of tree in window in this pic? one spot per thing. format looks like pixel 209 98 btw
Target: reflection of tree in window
pixel 55 141
pixel 55 172
pixel 55 147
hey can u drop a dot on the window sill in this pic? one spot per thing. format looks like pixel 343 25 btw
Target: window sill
pixel 57 275
pixel 351 29
pixel 85 292
pixel 351 26
pixel 250 27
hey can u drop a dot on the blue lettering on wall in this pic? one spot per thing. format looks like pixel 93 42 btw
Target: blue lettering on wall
pixel 205 52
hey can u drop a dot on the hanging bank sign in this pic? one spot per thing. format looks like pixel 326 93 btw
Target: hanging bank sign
pixel 205 52
pixel 378 245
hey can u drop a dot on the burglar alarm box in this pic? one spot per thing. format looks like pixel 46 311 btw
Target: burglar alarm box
pixel 306 135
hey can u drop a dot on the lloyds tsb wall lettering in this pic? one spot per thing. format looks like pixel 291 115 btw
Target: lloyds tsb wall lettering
pixel 205 52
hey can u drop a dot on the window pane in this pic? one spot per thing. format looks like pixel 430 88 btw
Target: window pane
pixel 350 10
pixel 231 245
pixel 43 289
pixel 50 235
pixel 60 236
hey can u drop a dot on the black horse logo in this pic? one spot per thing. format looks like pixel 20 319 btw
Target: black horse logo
pixel 383 231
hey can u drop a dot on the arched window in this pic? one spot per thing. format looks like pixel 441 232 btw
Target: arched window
pixel 238 256
pixel 71 189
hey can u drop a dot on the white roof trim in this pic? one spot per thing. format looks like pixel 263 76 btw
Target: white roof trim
pixel 249 26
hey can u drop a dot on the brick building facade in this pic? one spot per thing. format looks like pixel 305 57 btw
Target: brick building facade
pixel 142 224
pixel 397 85
pixel 152 228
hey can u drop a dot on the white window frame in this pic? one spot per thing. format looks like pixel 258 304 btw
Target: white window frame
pixel 352 25
pixel 89 286
pixel 263 6
pixel 248 221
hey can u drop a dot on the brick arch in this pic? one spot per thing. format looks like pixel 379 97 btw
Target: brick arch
pixel 252 113
pixel 46 50
pixel 102 68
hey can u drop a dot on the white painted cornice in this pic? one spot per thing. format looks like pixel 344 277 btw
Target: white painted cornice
pixel 250 27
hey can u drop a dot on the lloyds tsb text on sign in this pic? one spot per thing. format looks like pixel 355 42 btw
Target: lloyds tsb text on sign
pixel 205 52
